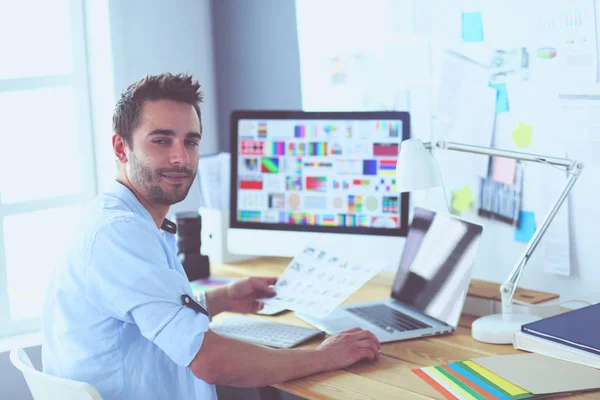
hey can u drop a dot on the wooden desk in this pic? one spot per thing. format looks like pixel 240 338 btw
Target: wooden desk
pixel 390 377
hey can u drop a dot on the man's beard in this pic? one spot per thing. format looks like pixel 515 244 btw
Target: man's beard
pixel 142 175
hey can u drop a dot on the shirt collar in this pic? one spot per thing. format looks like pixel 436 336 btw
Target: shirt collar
pixel 123 193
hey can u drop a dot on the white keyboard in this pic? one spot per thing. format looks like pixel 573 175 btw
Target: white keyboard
pixel 263 332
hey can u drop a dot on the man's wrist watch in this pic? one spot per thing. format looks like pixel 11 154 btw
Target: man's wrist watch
pixel 200 297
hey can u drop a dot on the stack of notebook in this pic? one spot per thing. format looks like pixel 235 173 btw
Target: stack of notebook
pixel 572 336
pixel 516 376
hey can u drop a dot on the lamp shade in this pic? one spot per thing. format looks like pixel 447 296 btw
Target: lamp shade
pixel 415 169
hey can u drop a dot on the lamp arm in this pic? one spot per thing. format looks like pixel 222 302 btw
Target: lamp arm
pixel 488 151
pixel 574 168
pixel 507 290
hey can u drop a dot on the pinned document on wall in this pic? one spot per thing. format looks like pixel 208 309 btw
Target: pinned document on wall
pixel 563 41
pixel 464 113
pixel 580 116
pixel 213 178
pixel 556 242
pixel 461 94
pixel 500 200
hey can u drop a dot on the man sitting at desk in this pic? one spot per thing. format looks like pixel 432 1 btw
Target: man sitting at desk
pixel 119 313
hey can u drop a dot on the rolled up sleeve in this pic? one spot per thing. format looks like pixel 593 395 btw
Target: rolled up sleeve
pixel 129 278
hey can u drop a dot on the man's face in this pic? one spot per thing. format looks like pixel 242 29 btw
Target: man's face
pixel 164 159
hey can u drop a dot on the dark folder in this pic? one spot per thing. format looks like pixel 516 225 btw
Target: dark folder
pixel 578 328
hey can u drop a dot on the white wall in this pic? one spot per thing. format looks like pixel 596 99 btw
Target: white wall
pixel 499 252
pixel 256 48
pixel 537 102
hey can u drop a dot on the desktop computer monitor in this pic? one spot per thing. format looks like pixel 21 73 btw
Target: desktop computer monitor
pixel 316 177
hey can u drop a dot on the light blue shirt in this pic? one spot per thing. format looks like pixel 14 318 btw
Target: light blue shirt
pixel 113 315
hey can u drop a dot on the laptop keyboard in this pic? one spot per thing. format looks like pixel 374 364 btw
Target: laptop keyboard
pixel 387 318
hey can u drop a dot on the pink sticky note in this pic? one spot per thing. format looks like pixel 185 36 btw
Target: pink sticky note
pixel 503 170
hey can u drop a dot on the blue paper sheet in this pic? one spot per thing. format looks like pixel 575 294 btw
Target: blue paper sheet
pixel 526 227
pixel 501 97
pixel 472 27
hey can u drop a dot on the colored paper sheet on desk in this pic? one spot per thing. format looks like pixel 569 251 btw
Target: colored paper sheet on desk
pixel 504 169
pixel 509 377
pixel 462 199
pixel 522 135
pixel 501 97
pixel 468 380
pixel 506 386
pixel 472 27
pixel 478 383
pixel 526 228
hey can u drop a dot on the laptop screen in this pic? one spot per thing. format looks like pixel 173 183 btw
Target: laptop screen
pixel 435 268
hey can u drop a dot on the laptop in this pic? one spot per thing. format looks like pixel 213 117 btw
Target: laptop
pixel 430 287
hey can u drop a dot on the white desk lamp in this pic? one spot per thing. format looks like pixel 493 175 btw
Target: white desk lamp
pixel 416 169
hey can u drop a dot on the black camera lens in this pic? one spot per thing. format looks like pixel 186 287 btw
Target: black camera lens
pixel 196 266
pixel 189 226
pixel 188 244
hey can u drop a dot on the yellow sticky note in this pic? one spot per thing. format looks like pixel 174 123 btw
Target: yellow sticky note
pixel 522 135
pixel 462 199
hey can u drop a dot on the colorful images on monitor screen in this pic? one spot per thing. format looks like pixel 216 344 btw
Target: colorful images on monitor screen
pixel 317 172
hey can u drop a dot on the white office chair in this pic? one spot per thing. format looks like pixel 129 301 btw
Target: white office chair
pixel 47 387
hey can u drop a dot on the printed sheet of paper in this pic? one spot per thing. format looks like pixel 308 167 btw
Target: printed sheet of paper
pixel 317 281
pixel 562 41
pixel 213 179
pixel 580 116
pixel 465 113
pixel 557 239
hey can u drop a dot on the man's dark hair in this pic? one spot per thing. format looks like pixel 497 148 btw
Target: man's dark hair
pixel 181 87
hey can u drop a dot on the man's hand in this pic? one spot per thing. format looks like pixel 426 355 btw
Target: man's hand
pixel 346 348
pixel 243 293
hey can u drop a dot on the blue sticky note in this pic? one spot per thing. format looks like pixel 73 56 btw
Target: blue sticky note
pixel 526 228
pixel 501 97
pixel 472 27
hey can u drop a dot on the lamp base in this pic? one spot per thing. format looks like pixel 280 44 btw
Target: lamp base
pixel 498 328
